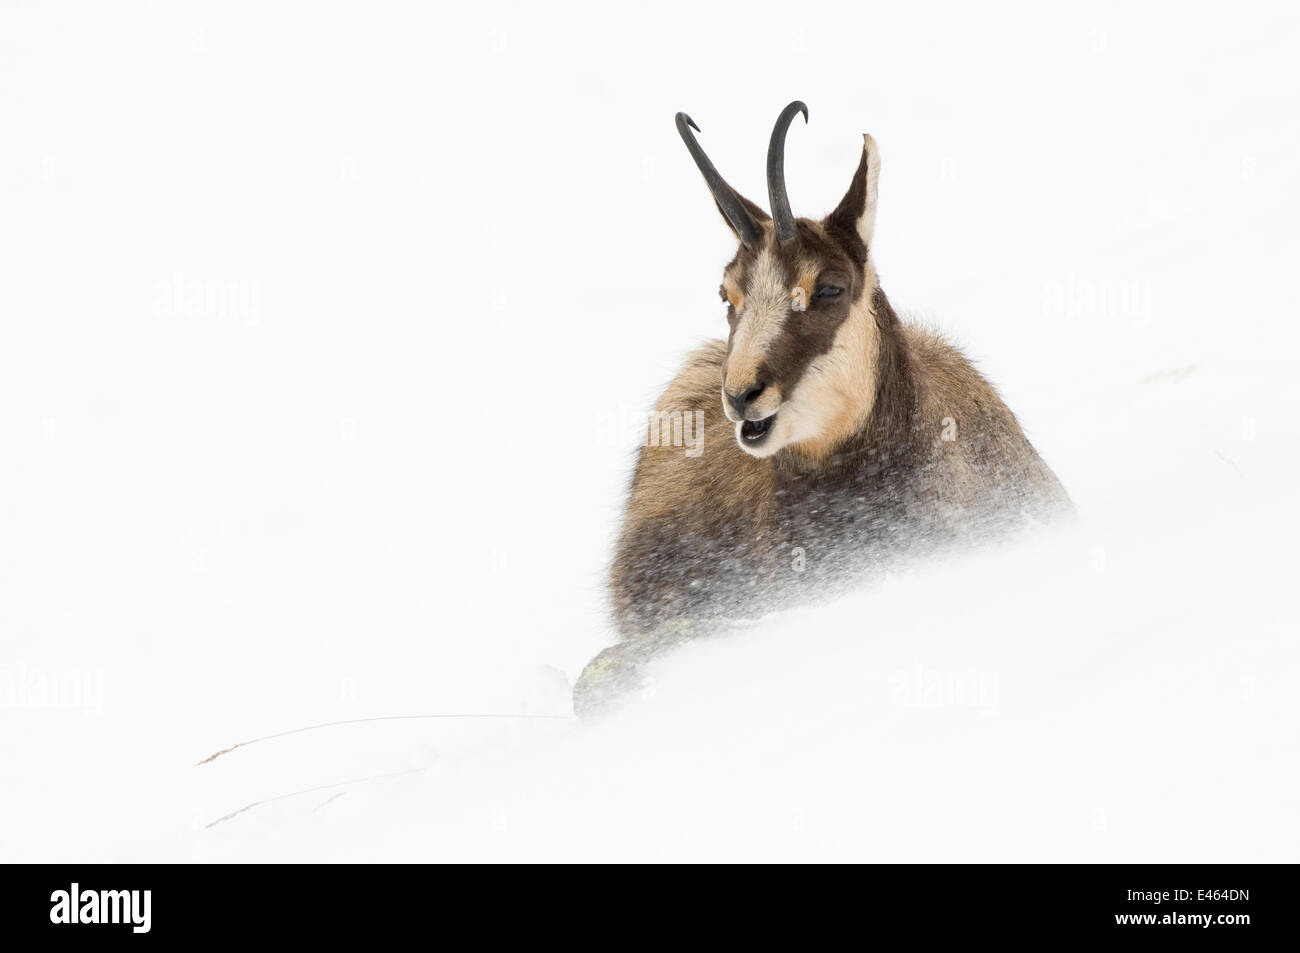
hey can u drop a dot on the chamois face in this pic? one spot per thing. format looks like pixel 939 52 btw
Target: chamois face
pixel 800 369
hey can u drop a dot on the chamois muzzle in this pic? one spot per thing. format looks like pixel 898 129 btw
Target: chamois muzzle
pixel 776 194
pixel 723 194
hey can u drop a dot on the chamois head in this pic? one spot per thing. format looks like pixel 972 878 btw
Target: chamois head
pixel 800 370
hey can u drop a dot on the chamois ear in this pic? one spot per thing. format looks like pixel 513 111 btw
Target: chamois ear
pixel 854 220
pixel 755 213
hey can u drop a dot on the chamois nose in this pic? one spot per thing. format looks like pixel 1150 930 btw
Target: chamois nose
pixel 742 399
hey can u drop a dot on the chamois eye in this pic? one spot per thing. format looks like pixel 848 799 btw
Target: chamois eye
pixel 827 291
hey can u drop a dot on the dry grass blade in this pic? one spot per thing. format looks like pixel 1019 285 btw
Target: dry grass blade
pixel 322 787
pixel 357 721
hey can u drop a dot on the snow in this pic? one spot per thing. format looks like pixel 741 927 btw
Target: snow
pixel 324 333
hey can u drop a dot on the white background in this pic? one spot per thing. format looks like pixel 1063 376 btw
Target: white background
pixel 324 330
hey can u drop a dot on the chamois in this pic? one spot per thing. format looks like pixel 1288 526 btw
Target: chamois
pixel 860 441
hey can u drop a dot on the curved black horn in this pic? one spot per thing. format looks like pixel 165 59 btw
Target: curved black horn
pixel 779 201
pixel 723 194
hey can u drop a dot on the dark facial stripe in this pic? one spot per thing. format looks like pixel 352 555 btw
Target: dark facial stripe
pixel 808 334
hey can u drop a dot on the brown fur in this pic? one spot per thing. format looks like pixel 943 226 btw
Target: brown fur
pixel 712 536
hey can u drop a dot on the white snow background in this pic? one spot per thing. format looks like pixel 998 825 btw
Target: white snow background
pixel 324 333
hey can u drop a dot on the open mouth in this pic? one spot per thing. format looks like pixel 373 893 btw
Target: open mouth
pixel 755 431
